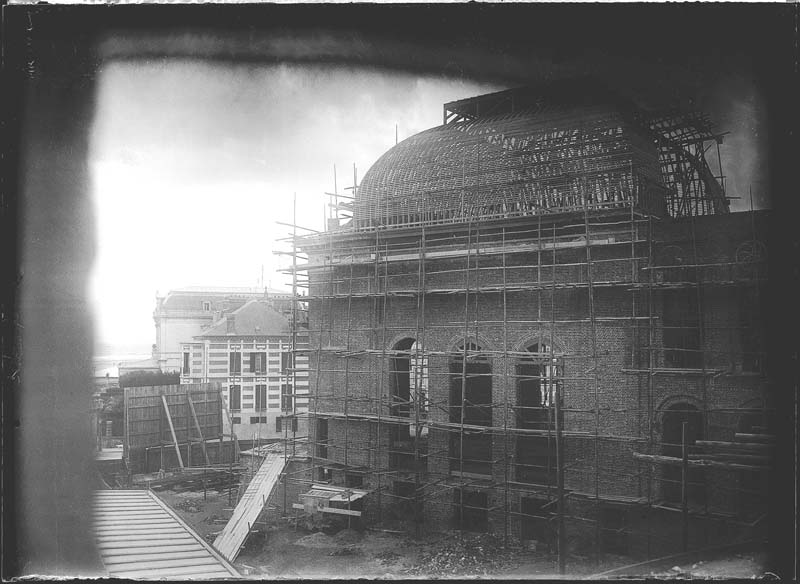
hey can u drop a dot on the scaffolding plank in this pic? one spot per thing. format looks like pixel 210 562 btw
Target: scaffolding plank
pixel 230 541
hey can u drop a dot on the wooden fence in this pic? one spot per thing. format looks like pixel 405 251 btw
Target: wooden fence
pixel 173 420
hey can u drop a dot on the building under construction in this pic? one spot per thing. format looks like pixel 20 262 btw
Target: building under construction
pixel 540 319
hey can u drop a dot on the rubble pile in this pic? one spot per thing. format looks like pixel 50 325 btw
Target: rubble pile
pixel 190 506
pixel 465 554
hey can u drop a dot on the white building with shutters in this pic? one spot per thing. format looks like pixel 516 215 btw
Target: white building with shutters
pixel 184 313
pixel 264 380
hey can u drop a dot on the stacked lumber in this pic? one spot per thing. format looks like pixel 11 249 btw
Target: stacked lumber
pixel 217 479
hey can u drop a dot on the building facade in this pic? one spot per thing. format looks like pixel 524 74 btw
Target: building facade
pixel 186 312
pixel 534 309
pixel 262 367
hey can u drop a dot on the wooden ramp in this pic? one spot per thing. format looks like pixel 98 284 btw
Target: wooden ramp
pixel 139 537
pixel 230 541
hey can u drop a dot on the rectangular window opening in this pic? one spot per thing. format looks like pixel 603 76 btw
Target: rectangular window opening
pixel 287 397
pixel 258 362
pixel 235 363
pixel 287 361
pixel 236 398
pixel 261 397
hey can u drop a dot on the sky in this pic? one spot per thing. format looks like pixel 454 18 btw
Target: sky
pixel 192 164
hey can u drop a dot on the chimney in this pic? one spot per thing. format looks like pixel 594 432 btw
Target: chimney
pixel 231 323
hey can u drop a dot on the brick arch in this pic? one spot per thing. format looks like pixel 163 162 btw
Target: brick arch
pixel 670 424
pixel 542 336
pixel 670 401
pixel 398 338
pixel 454 343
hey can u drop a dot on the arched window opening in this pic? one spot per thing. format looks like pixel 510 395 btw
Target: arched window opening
pixel 672 445
pixel 538 375
pixel 470 408
pixel 418 372
pixel 400 376
pixel 409 399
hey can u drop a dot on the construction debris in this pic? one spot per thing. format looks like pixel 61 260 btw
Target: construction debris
pixel 464 554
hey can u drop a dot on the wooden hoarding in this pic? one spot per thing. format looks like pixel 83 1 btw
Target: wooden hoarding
pixel 171 416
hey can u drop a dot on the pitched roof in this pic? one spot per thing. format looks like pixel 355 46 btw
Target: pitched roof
pixel 256 318
pixel 221 298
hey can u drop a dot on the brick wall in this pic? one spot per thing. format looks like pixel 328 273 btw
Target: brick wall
pixel 612 396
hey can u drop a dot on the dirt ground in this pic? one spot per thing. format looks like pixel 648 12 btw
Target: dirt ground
pixel 734 566
pixel 281 551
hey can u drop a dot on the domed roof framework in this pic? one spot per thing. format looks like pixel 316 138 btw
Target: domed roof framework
pixel 525 152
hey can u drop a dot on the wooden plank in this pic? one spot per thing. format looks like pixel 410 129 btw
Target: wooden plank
pixel 114 541
pixel 199 430
pixel 127 497
pixel 229 542
pixel 152 556
pixel 152 564
pixel 153 521
pixel 172 430
pixel 331 510
pixel 133 523
pixel 132 551
pixel 697 463
pixel 131 543
pixel 122 504
pixel 161 524
pixel 154 531
pixel 135 529
pixel 164 523
pixel 763 438
pixel 123 507
pixel 131 513
pixel 127 514
pixel 119 503
pixel 735 446
pixel 731 457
